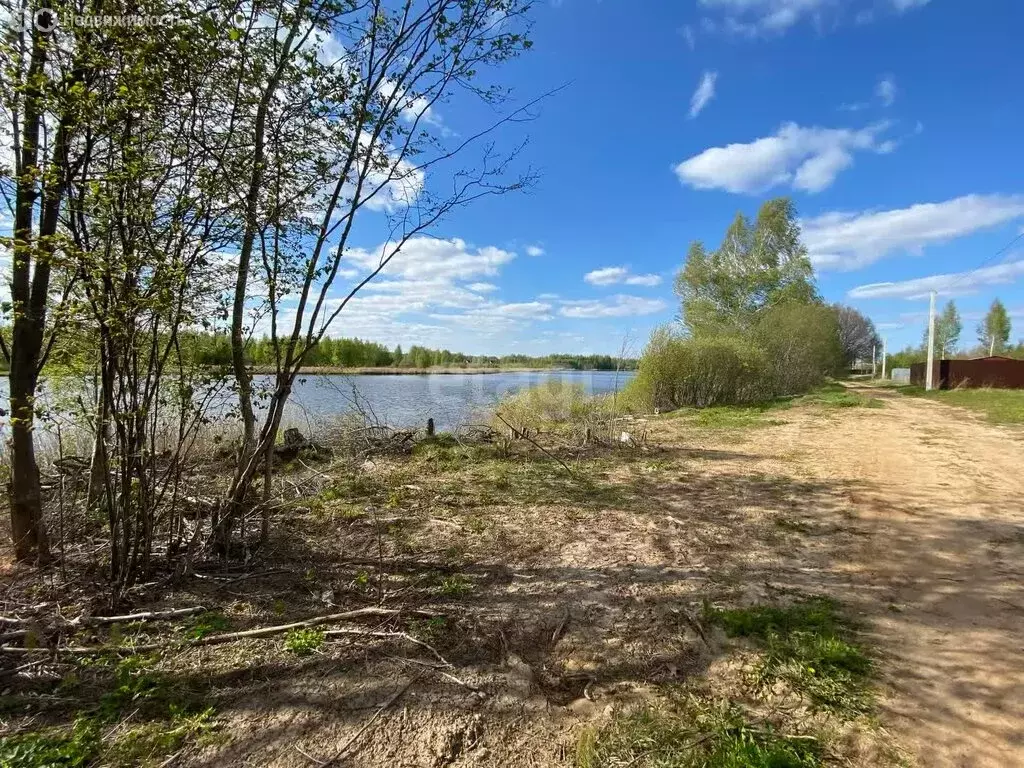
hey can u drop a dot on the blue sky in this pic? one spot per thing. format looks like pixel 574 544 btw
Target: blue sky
pixel 895 126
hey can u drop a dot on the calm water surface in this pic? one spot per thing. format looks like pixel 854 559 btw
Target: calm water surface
pixel 409 400
pixel 403 400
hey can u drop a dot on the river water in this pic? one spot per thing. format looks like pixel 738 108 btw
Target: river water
pixel 402 400
pixel 409 400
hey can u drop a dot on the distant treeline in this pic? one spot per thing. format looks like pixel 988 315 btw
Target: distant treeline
pixel 215 349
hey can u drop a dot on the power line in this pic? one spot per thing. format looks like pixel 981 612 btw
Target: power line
pixel 988 261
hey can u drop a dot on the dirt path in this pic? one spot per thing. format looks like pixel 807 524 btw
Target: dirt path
pixel 921 511
pixel 576 594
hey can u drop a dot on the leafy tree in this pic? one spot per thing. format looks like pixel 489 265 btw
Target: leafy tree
pixel 755 267
pixel 948 328
pixel 994 330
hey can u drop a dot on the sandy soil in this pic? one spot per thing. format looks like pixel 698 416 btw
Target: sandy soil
pixel 565 597
pixel 933 557
pixel 910 515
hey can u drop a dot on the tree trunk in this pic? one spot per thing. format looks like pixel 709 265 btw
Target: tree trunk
pixel 27 528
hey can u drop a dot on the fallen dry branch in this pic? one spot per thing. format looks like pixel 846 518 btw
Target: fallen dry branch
pixel 228 637
pixel 176 613
pixel 535 443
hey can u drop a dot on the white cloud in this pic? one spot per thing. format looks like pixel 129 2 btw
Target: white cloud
pixel 687 32
pixel 805 158
pixel 431 258
pixel 704 93
pixel 616 306
pixel 495 318
pixel 414 107
pixel 886 90
pixel 948 285
pixel 767 18
pixel 842 240
pixel 534 250
pixel 616 275
pixel 906 5
pixel 606 276
pixel 548 296
pixel 400 185
pixel 482 287
pixel 750 18
pixel 645 280
pixel 885 93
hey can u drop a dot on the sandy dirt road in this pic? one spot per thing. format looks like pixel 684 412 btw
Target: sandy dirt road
pixel 910 515
pixel 927 507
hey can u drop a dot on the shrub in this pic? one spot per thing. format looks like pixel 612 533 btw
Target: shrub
pixel 554 405
pixel 800 343
pixel 790 350
pixel 676 371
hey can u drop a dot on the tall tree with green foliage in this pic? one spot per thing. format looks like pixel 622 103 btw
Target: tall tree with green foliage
pixel 758 265
pixel 994 330
pixel 948 328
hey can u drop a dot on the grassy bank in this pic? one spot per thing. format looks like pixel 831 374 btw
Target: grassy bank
pixel 999 406
pixel 830 395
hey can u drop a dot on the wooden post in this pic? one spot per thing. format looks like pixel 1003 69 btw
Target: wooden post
pixel 430 427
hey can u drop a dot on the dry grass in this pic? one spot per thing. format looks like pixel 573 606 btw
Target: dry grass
pixel 542 587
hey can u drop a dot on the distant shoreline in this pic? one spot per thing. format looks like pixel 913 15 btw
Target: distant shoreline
pixel 332 370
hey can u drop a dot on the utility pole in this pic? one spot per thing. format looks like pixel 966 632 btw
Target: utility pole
pixel 929 378
pixel 874 369
pixel 885 353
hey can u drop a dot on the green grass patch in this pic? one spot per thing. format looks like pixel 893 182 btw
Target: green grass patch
pixel 455 585
pixel 842 398
pixel 829 395
pixel 303 642
pixel 52 746
pixel 540 481
pixel 208 623
pixel 694 733
pixel 157 717
pixel 808 646
pixel 734 416
pixel 999 406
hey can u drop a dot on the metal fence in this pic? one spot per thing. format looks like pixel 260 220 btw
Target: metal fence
pixel 1000 372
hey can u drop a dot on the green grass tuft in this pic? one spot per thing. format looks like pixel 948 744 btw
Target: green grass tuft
pixel 303 642
pixel 456 585
pixel 694 733
pixel 208 623
pixel 150 715
pixel 999 406
pixel 808 646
